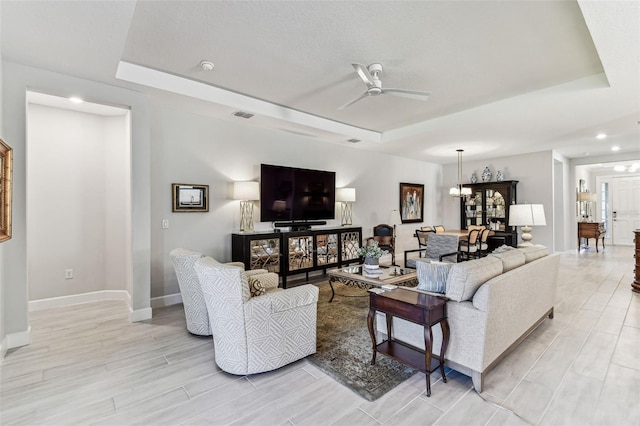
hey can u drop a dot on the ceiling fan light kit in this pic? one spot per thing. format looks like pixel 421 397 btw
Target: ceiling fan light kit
pixel 371 77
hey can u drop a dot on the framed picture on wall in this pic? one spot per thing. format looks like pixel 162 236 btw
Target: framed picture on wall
pixel 6 165
pixel 411 202
pixel 190 198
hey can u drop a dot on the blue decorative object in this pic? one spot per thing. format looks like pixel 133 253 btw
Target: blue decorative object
pixel 499 176
pixel 486 174
pixel 474 178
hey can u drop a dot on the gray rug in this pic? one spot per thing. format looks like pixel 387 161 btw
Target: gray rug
pixel 344 345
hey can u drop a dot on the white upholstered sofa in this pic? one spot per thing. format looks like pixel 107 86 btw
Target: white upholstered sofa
pixel 494 303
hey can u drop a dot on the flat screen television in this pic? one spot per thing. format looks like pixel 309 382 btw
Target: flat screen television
pixel 293 194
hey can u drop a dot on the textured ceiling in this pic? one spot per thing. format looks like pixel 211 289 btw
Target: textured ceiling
pixel 506 77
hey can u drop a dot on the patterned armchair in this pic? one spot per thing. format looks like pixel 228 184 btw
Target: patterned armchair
pixel 260 333
pixel 195 310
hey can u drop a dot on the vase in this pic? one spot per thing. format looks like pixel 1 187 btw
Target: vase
pixel 474 178
pixel 486 174
pixel 371 262
pixel 499 176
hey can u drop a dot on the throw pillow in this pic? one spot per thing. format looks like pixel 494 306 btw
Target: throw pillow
pixel 255 287
pixel 432 276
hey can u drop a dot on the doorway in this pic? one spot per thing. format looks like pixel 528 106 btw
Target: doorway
pixel 78 201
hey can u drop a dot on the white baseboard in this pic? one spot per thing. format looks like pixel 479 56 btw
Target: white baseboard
pixel 74 299
pixel 15 340
pixel 168 300
pixel 140 314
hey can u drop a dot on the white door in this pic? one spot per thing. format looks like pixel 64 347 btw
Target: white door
pixel 625 199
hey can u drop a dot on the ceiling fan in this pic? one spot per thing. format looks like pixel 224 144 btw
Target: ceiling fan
pixel 371 77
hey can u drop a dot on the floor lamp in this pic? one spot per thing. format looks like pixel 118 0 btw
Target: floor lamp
pixel 525 216
pixel 247 193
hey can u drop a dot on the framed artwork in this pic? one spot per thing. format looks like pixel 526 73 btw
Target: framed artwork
pixel 190 198
pixel 6 167
pixel 411 202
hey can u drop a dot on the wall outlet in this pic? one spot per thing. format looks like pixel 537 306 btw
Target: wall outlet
pixel 165 223
pixel 68 274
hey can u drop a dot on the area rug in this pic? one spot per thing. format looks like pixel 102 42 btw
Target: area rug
pixel 344 345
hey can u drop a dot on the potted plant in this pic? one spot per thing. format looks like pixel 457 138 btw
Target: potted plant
pixel 372 254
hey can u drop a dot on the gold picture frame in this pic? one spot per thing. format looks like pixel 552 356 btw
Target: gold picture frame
pixel 6 170
pixel 190 198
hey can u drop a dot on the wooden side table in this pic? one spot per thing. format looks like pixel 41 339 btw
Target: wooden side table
pixel 419 308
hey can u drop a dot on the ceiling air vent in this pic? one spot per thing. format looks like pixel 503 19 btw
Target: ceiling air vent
pixel 242 114
pixel 354 140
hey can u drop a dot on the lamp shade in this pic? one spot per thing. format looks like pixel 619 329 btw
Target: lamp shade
pixel 526 215
pixel 587 196
pixel 246 191
pixel 394 218
pixel 347 195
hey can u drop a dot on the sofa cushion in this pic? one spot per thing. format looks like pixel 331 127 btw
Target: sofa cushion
pixel 533 252
pixel 432 276
pixel 511 259
pixel 466 277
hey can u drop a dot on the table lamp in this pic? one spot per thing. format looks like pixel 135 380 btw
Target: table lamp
pixel 247 193
pixel 525 216
pixel 346 196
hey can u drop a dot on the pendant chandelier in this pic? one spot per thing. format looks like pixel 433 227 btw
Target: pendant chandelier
pixel 458 191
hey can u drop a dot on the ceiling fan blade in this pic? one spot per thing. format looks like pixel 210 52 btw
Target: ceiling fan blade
pixel 364 95
pixel 364 74
pixel 411 94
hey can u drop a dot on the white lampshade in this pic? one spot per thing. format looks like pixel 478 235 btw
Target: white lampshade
pixel 246 191
pixel 587 196
pixel 347 195
pixel 394 218
pixel 526 215
pixel 457 191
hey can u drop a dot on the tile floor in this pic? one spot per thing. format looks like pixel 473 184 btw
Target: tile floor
pixel 88 365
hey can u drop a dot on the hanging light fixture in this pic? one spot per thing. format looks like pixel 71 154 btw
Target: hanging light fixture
pixel 458 190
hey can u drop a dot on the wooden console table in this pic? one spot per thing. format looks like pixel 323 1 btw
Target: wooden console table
pixel 419 308
pixel 591 230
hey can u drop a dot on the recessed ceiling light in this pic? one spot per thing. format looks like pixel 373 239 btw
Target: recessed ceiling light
pixel 207 65
pixel 619 168
pixel 75 100
pixel 615 148
pixel 601 136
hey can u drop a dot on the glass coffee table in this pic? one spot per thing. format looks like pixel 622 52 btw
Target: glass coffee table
pixel 360 277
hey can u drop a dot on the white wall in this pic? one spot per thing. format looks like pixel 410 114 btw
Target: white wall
pixel 534 173
pixel 190 148
pixel 17 79
pixel 77 201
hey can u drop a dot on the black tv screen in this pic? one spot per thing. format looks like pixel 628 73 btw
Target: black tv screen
pixel 289 193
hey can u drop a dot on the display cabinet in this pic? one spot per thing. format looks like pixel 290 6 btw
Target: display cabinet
pixel 294 252
pixel 488 206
